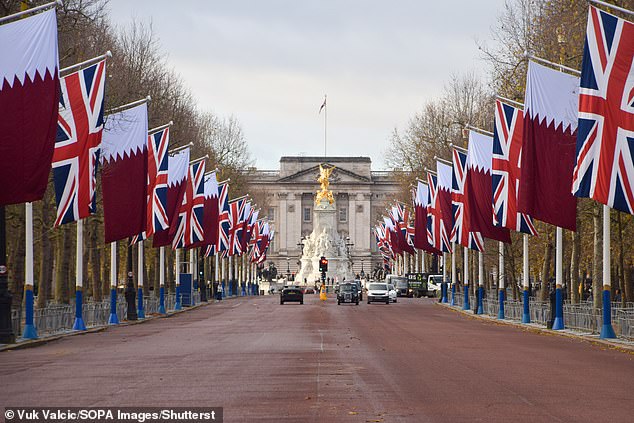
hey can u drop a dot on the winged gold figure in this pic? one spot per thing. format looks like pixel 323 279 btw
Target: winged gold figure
pixel 324 174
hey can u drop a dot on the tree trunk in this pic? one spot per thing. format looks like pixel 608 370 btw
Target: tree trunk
pixel 597 277
pixel 95 260
pixel 548 252
pixel 46 254
pixel 16 275
pixel 623 285
pixel 574 265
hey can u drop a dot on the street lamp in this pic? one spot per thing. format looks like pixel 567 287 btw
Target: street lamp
pixel 288 268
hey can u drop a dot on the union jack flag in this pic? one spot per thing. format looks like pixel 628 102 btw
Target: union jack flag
pixel 604 168
pixel 434 221
pixel 78 142
pixel 157 219
pixel 222 245
pixel 460 232
pixel 236 216
pixel 190 215
pixel 505 170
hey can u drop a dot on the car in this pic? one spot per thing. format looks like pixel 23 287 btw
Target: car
pixel 377 291
pixel 293 293
pixel 309 291
pixel 348 293
pixel 402 287
pixel 359 288
pixel 391 292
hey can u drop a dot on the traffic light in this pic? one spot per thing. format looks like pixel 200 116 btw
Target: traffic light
pixel 323 264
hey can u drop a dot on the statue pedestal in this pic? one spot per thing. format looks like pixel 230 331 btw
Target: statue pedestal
pixel 325 241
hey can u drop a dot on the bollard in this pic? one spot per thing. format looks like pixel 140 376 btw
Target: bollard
pixel 526 316
pixel 162 300
pixel 501 300
pixel 79 320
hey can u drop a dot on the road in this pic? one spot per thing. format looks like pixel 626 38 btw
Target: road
pixel 407 362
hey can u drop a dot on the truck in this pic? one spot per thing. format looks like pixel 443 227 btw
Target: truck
pixel 401 285
pixel 419 284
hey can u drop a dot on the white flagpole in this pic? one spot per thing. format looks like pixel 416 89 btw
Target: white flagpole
pixel 454 274
pixel 114 319
pixel 30 331
pixel 216 263
pixel 559 261
pixel 607 331
pixel 140 265
pixel 465 279
pixel 501 285
pixel 526 316
pixel 79 275
pixel 162 280
pixel 177 304
pixel 192 270
pixel 444 278
pixel 480 304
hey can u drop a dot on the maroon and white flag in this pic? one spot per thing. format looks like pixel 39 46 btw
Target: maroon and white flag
pixel 421 206
pixel 548 148
pixel 480 188
pixel 124 173
pixel 29 102
pixel 177 168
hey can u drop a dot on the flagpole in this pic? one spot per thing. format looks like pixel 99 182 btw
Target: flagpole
pixel 607 331
pixel 86 62
pixel 501 285
pixel 611 6
pixel 32 10
pixel 454 274
pixel 177 149
pixel 177 304
pixel 325 125
pixel 526 316
pixel 559 259
pixel 465 279
pixel 192 270
pixel 129 105
pixel 216 262
pixel 140 310
pixel 79 276
pixel 159 128
pixel 30 331
pixel 113 320
pixel 480 291
pixel 444 278
pixel 162 280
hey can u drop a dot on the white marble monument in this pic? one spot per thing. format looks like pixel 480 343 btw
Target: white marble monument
pixel 325 240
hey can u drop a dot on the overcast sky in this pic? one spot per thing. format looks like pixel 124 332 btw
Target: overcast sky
pixel 270 62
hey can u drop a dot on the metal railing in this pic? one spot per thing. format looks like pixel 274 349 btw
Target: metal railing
pixel 59 318
pixel 582 317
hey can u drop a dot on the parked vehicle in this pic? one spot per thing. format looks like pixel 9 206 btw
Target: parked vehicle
pixel 402 287
pixel 291 293
pixel 348 293
pixel 359 288
pixel 391 292
pixel 377 291
pixel 434 285
pixel 418 284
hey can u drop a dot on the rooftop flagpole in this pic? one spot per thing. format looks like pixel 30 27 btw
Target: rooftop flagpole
pixel 325 107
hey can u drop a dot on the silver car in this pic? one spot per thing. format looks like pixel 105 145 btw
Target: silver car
pixel 378 291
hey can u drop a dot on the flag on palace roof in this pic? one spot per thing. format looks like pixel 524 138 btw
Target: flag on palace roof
pixel 479 186
pixel 29 103
pixel 604 167
pixel 548 148
pixel 124 173
pixel 505 169
pixel 461 233
pixel 78 142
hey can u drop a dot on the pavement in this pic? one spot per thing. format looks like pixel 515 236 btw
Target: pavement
pixel 413 361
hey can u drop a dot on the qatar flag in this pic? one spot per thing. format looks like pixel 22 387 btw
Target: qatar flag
pixel 420 219
pixel 479 185
pixel 444 172
pixel 177 168
pixel 548 148
pixel 29 103
pixel 124 173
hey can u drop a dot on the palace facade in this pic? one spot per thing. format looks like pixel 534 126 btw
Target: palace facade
pixel 361 196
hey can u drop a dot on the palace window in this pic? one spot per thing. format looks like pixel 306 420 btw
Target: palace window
pixel 306 216
pixel 271 214
pixel 343 214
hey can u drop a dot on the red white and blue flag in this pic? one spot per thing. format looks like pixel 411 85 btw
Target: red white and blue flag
pixel 400 217
pixel 78 142
pixel 222 244
pixel 505 169
pixel 189 229
pixel 460 232
pixel 177 169
pixel 29 103
pixel 604 168
pixel 443 204
pixel 157 217
pixel 421 207
pixel 210 215
pixel 548 146
pixel 124 173
pixel 236 227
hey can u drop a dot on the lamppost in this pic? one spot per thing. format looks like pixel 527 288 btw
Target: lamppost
pixel 348 245
pixel 362 274
pixel 130 293
pixel 288 268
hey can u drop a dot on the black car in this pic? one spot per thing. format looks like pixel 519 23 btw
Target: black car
pixel 359 288
pixel 348 293
pixel 291 294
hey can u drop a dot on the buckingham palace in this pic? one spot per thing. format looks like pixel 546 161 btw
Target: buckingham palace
pixel 288 195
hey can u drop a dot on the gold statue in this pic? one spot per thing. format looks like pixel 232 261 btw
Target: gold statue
pixel 324 174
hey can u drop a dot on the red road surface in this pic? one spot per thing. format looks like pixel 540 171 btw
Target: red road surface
pixel 407 362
